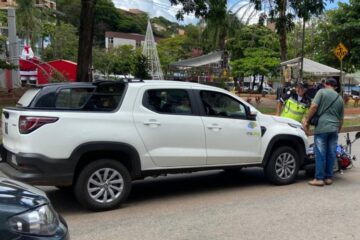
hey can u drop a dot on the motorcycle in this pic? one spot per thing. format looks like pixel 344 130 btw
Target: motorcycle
pixel 344 158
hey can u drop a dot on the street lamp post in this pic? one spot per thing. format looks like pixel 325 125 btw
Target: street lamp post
pixel 302 51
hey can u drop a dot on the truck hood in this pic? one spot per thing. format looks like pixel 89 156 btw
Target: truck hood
pixel 286 120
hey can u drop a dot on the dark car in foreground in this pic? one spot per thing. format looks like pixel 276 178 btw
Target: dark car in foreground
pixel 26 214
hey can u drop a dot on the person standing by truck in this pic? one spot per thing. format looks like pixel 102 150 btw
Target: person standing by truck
pixel 329 107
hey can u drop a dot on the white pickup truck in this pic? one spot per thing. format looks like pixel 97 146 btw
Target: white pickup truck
pixel 98 137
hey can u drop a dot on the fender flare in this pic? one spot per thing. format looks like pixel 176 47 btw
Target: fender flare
pixel 285 140
pixel 111 147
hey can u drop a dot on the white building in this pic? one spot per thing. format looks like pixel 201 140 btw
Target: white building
pixel 115 39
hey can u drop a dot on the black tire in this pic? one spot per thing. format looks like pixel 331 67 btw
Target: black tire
pixel 82 185
pixel 282 174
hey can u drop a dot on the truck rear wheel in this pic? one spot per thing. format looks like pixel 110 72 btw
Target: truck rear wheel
pixel 283 166
pixel 103 185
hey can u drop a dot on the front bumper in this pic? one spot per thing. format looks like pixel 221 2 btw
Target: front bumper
pixel 36 169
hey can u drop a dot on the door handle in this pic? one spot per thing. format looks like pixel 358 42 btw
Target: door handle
pixel 152 122
pixel 214 127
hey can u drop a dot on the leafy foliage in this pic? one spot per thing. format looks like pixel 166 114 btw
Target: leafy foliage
pixel 64 43
pixel 253 36
pixel 118 60
pixel 140 67
pixel 340 25
pixel 172 49
pixel 3 18
pixel 256 61
pixel 254 51
pixel 4 64
pixel 28 20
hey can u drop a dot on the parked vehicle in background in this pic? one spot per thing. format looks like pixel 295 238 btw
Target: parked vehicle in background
pixel 230 86
pixel 99 137
pixel 267 90
pixel 26 213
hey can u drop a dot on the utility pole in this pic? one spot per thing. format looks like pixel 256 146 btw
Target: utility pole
pixel 302 51
pixel 13 46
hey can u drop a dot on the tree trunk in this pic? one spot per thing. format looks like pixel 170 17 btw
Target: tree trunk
pixel 283 46
pixel 261 84
pixel 281 25
pixel 86 35
pixel 253 84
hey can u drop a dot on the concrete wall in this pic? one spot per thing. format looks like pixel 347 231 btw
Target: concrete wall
pixel 2 79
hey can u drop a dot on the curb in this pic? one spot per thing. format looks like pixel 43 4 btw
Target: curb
pixel 350 129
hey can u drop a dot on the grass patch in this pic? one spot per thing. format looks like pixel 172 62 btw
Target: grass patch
pixel 351 122
pixel 267 110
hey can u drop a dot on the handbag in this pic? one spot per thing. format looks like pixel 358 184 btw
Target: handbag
pixel 314 121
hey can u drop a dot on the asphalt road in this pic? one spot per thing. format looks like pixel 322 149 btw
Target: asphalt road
pixel 214 205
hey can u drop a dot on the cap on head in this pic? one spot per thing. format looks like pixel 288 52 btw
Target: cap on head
pixel 331 81
pixel 302 85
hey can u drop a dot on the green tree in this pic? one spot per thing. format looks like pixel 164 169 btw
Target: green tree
pixel 256 61
pixel 283 13
pixel 171 50
pixel 140 67
pixel 193 37
pixel 28 20
pixel 252 36
pixel 71 10
pixel 3 18
pixel 119 61
pixel 64 43
pixel 220 24
pixel 339 25
pixel 3 63
pixel 107 18
pixel 102 61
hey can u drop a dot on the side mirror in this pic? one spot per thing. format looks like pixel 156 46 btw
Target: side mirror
pixel 252 114
pixel 357 135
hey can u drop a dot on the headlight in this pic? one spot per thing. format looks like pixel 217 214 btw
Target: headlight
pixel 42 221
pixel 296 126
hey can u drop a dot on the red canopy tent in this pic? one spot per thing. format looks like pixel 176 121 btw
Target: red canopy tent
pixel 62 69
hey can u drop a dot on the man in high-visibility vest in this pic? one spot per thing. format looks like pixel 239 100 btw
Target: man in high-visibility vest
pixel 293 104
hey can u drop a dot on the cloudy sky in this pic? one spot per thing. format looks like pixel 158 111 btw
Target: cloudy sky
pixel 163 8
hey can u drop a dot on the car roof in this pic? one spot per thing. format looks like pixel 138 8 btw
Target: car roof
pixel 135 81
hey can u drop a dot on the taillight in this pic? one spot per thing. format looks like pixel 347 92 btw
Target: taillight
pixel 28 124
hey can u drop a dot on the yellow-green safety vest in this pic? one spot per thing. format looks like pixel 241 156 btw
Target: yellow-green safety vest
pixel 294 110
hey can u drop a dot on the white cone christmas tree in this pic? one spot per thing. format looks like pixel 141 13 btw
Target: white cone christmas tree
pixel 150 52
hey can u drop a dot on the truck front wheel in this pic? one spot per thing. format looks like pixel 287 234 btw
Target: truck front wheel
pixel 103 185
pixel 283 166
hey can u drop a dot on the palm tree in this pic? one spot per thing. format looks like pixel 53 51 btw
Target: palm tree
pixel 283 13
pixel 28 20
pixel 220 23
